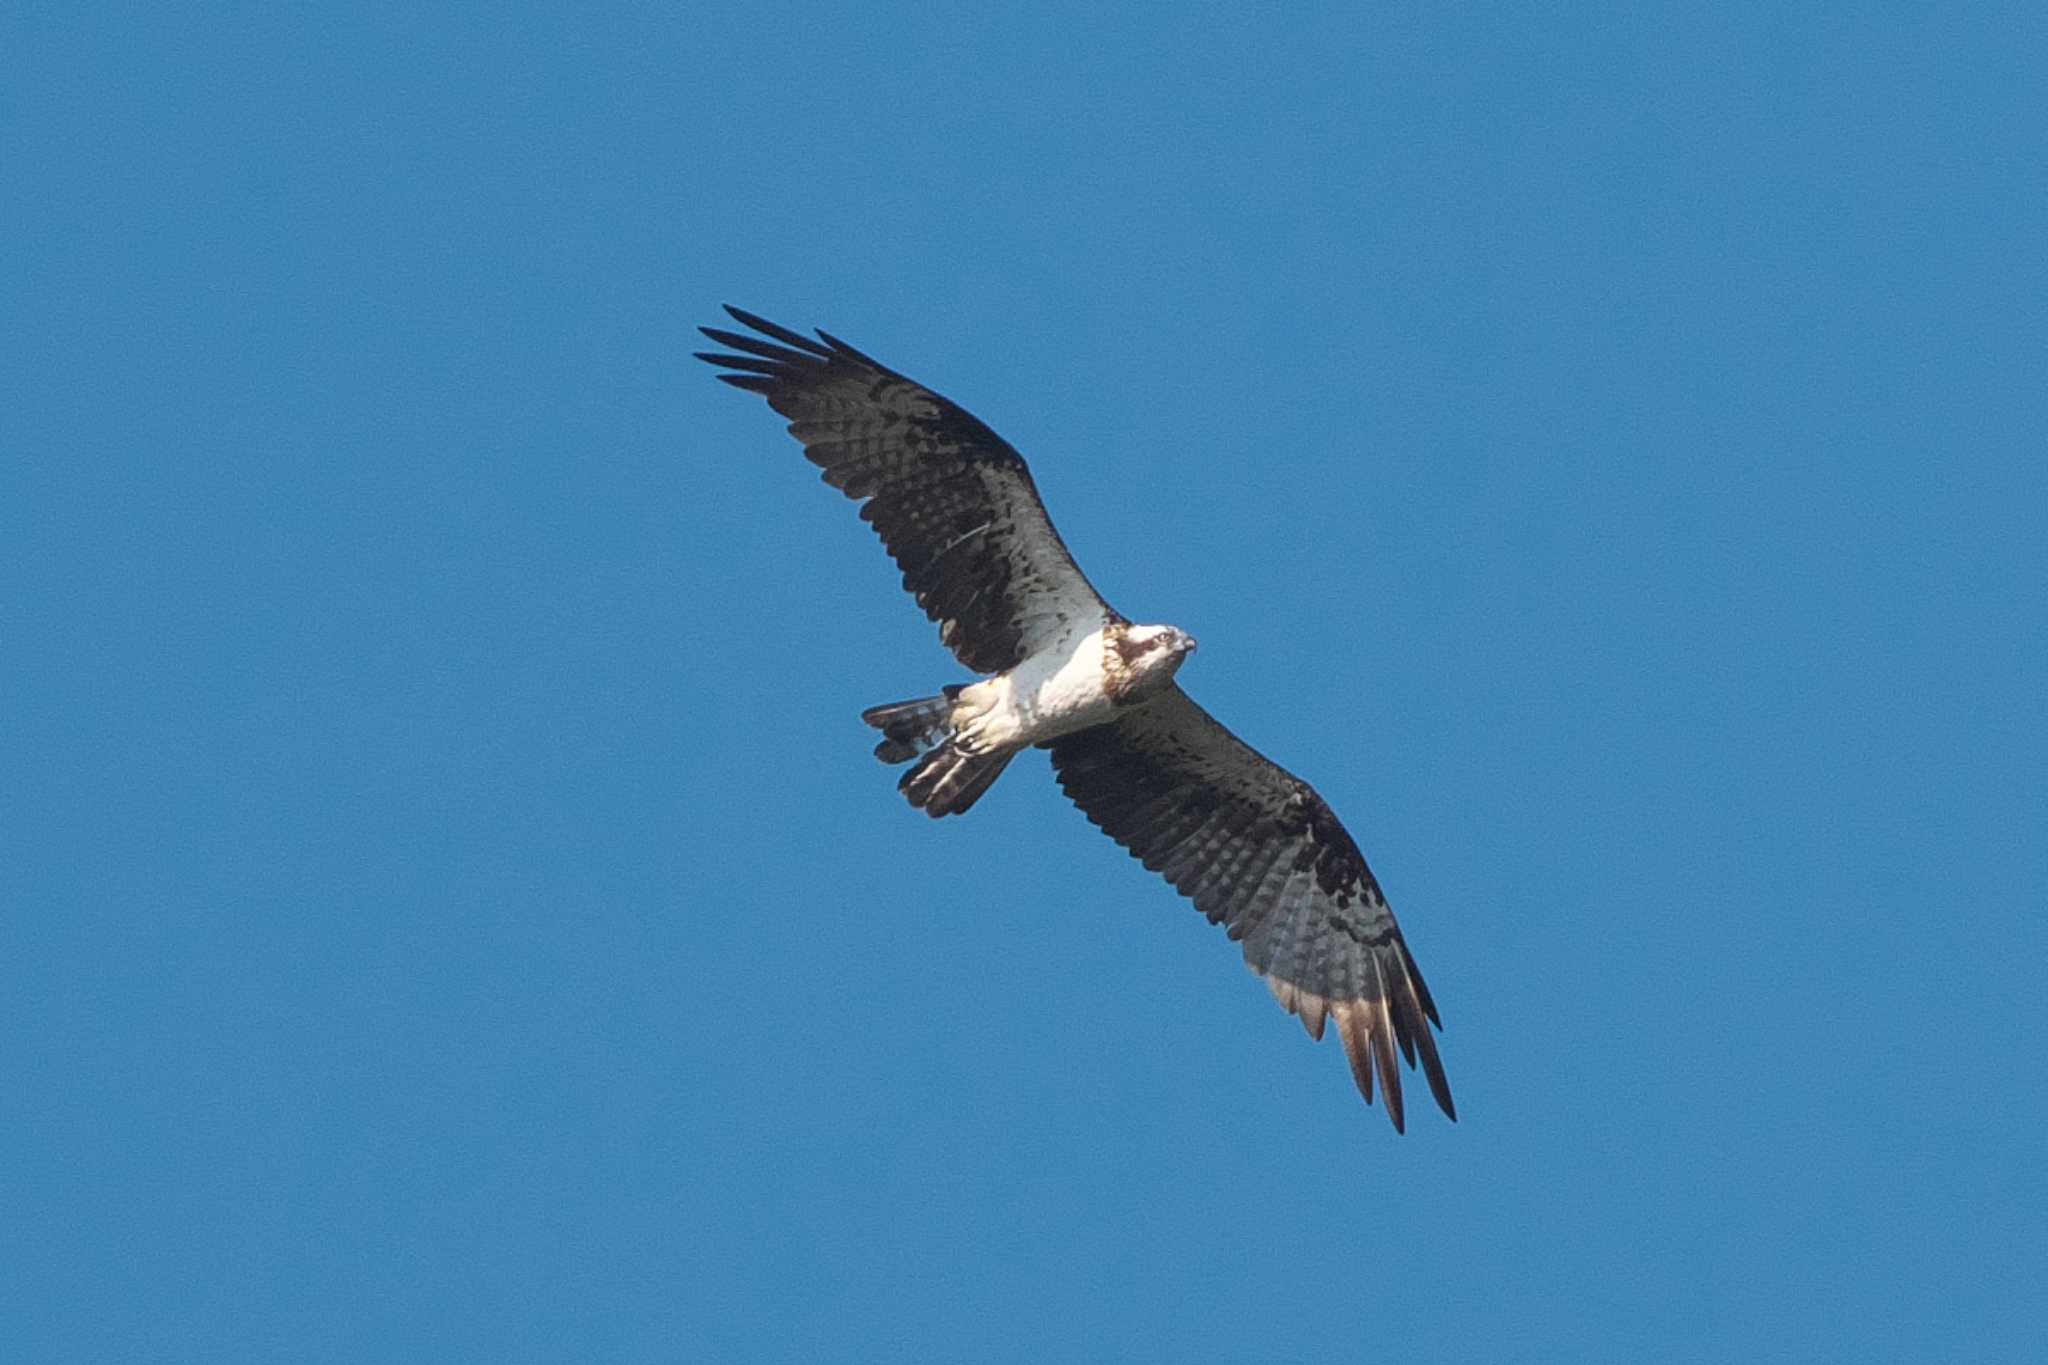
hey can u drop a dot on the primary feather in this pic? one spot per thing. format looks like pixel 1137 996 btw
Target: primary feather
pixel 1255 848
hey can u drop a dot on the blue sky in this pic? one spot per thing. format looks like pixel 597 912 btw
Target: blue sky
pixel 451 911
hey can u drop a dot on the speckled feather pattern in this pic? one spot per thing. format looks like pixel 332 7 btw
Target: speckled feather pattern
pixel 953 503
pixel 1259 852
pixel 1255 848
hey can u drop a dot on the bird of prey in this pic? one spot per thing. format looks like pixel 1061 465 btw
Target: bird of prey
pixel 1255 848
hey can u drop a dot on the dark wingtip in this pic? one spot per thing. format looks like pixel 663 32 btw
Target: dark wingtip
pixel 780 333
pixel 1433 1072
pixel 1390 1079
pixel 752 383
pixel 1422 995
pixel 753 364
pixel 1396 1114
pixel 853 353
pixel 754 346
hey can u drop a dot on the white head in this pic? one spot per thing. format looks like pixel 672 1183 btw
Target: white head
pixel 1148 657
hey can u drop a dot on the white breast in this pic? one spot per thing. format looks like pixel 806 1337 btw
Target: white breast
pixel 1049 694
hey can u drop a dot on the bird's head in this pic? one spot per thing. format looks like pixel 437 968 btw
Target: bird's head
pixel 1152 654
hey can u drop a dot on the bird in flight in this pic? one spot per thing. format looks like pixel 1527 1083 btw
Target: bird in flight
pixel 1255 848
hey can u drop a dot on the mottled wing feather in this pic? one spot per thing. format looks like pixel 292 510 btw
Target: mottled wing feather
pixel 1259 852
pixel 953 503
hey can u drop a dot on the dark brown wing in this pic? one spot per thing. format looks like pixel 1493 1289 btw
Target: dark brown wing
pixel 1261 854
pixel 953 502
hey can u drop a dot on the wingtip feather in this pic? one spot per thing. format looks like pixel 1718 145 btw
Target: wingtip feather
pixel 779 332
pixel 740 362
pixel 852 353
pixel 1390 1070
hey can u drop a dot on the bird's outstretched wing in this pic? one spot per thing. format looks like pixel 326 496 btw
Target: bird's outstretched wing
pixel 1262 854
pixel 952 501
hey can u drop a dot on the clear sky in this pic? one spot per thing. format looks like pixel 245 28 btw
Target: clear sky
pixel 451 912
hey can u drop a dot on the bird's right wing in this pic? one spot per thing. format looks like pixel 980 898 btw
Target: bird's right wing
pixel 954 504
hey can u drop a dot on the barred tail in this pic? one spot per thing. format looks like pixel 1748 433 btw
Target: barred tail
pixel 910 728
pixel 948 781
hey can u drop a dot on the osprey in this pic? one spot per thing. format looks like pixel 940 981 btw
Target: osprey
pixel 1252 845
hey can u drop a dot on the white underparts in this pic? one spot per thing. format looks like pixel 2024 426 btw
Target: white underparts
pixel 1054 693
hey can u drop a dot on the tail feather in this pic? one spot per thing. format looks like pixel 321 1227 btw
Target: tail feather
pixel 948 781
pixel 910 728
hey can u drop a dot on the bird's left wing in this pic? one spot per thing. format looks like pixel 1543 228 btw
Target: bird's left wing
pixel 953 503
pixel 1260 853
